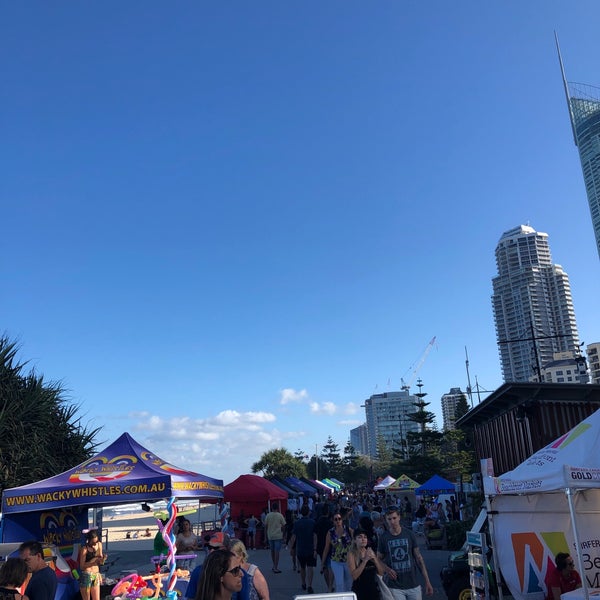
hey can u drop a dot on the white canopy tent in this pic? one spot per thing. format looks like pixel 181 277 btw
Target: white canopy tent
pixel 548 504
pixel 385 483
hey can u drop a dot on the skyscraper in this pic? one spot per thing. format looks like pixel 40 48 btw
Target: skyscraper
pixel 449 401
pixel 533 308
pixel 387 420
pixel 583 102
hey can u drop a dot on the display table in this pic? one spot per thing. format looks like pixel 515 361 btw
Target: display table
pixel 579 594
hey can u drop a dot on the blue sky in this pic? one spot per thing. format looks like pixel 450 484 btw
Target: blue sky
pixel 226 225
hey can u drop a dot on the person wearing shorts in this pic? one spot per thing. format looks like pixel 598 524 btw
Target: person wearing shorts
pixel 91 557
pixel 275 526
pixel 304 543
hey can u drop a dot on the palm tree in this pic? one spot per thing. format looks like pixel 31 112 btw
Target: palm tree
pixel 41 433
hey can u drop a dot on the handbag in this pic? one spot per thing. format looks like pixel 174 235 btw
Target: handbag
pixel 384 590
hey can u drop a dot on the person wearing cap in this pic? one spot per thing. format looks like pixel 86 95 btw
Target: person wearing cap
pixel 217 541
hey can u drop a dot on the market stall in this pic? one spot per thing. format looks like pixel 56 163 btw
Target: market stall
pixel 384 484
pixel 55 510
pixel 250 495
pixel 550 503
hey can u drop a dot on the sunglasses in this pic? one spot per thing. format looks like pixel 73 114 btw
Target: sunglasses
pixel 235 571
pixel 570 563
pixel 337 518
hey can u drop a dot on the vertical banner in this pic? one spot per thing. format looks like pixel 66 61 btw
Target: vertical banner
pixel 530 530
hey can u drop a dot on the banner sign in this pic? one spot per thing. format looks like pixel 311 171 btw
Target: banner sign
pixel 123 472
pixel 529 531
pixel 582 476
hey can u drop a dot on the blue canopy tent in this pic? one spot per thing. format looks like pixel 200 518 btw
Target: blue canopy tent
pixel 291 493
pixel 315 486
pixel 300 485
pixel 435 486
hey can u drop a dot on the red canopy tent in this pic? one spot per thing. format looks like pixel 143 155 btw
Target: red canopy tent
pixel 250 494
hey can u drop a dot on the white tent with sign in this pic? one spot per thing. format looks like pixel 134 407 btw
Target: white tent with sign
pixel 385 483
pixel 548 504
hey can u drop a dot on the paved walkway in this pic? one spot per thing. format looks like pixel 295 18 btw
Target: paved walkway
pixel 286 585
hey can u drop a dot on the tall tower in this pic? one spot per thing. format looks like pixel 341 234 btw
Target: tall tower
pixel 583 102
pixel 533 308
pixel 387 420
pixel 449 401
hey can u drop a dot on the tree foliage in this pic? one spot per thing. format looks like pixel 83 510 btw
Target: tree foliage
pixel 279 462
pixel 425 439
pixel 461 408
pixel 41 433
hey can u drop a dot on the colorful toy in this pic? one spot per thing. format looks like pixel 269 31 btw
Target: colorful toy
pixel 134 586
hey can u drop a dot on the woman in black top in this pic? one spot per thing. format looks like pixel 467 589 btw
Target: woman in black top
pixel 12 576
pixel 364 567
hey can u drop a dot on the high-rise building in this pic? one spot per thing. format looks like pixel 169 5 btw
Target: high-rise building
pixel 533 307
pixel 593 353
pixel 583 102
pixel 387 420
pixel 358 439
pixel 566 368
pixel 449 401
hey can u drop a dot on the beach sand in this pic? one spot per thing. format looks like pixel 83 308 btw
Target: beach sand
pixel 116 526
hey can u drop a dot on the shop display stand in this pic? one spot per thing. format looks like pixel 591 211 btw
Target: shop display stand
pixel 478 566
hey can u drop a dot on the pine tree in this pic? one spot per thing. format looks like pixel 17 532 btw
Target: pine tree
pixel 332 458
pixel 426 438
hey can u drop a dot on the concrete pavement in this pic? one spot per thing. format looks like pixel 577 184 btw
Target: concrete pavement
pixel 283 586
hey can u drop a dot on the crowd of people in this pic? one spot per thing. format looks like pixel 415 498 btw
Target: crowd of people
pixel 358 544
pixel 362 544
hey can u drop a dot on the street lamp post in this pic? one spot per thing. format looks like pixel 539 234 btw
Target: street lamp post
pixel 316 462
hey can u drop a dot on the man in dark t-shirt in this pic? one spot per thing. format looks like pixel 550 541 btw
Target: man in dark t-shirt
pixel 42 585
pixel 304 540
pixel 323 525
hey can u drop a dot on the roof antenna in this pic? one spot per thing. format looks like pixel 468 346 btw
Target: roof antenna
pixel 469 390
pixel 566 86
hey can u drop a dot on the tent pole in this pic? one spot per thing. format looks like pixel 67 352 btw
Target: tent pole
pixel 569 493
pixel 495 567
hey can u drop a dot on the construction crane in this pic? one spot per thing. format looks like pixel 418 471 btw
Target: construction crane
pixel 414 369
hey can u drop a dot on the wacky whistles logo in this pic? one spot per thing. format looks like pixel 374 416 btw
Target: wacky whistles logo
pixel 100 469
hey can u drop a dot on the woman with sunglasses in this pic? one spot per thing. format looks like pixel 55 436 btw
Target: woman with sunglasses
pixel 564 578
pixel 221 576
pixel 337 543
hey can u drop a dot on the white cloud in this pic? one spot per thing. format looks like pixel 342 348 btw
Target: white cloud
pixel 351 408
pixel 222 446
pixel 324 408
pixel 225 444
pixel 288 395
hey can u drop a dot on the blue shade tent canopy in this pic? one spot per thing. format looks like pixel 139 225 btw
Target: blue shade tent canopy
pixel 123 472
pixel 435 486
